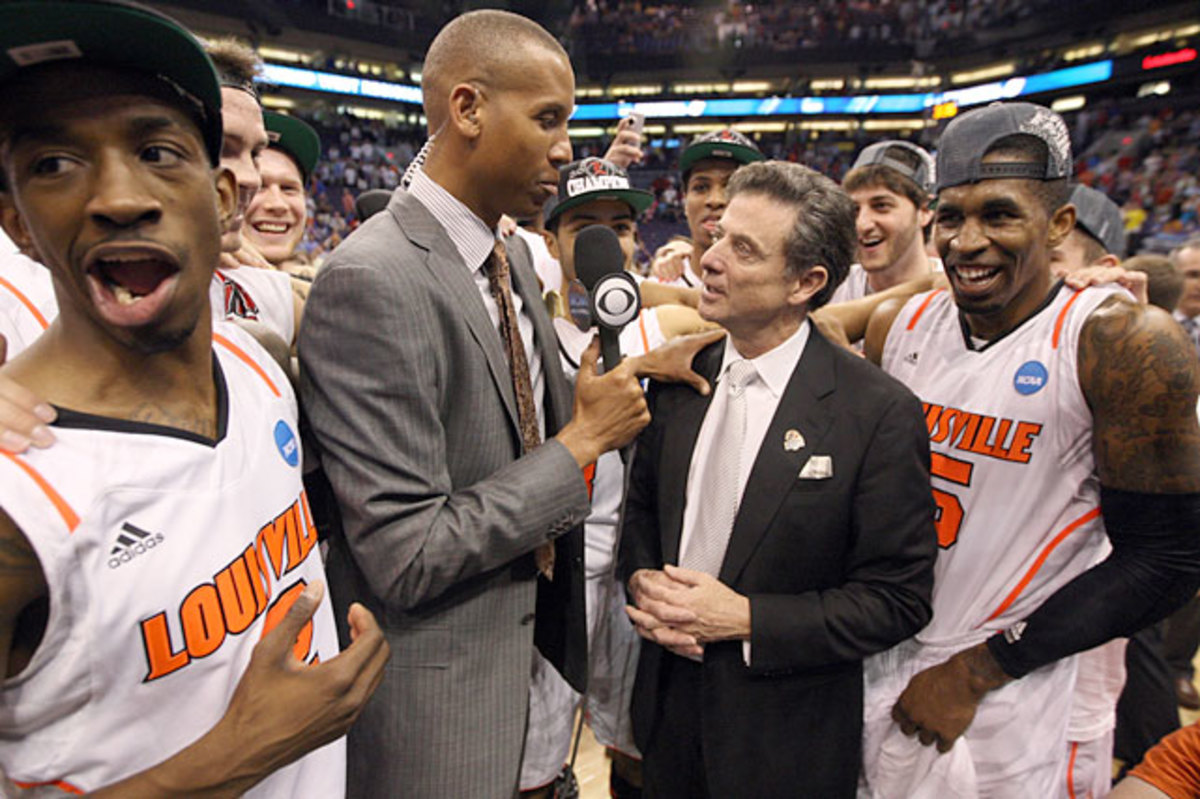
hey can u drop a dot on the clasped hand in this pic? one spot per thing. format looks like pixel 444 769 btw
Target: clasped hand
pixel 682 610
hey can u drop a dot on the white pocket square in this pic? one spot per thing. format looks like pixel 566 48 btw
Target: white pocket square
pixel 818 467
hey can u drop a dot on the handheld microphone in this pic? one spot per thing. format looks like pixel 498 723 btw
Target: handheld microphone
pixel 615 300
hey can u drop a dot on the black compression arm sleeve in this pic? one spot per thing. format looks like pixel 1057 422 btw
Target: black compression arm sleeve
pixel 1153 569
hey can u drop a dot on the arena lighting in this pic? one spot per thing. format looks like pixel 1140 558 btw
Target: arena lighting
pixel 1169 59
pixel 947 110
pixel 585 133
pixel 996 71
pixel 340 84
pixel 1065 104
pixel 278 102
pixel 697 108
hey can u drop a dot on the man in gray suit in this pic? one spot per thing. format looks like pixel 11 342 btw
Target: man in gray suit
pixel 428 436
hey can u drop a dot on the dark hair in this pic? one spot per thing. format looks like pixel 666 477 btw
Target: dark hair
pixel 823 232
pixel 1025 147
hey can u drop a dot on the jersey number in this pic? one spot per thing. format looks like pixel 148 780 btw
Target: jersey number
pixel 949 509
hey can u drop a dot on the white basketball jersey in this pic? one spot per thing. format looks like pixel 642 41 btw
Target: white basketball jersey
pixel 1013 473
pixel 167 556
pixel 27 301
pixel 261 295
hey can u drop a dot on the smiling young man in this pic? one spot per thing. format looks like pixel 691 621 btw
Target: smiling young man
pixel 706 165
pixel 167 532
pixel 1055 417
pixel 890 184
pixel 794 498
pixel 277 216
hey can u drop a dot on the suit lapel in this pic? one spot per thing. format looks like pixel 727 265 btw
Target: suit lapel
pixel 804 407
pixel 447 267
pixel 679 441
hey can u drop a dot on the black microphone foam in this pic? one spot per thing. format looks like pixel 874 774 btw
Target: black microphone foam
pixel 597 253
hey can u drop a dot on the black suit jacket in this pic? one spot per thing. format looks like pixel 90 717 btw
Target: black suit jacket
pixel 836 569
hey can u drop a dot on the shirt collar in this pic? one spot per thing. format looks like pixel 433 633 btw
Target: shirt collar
pixel 775 366
pixel 472 238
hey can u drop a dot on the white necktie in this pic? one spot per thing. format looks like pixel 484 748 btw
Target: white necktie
pixel 719 478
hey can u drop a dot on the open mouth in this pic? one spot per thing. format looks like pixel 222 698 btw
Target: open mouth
pixel 866 244
pixel 130 284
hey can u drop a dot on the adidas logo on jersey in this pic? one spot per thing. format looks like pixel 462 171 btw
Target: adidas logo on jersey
pixel 911 357
pixel 131 542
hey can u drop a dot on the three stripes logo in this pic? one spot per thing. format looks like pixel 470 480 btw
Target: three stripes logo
pixel 131 542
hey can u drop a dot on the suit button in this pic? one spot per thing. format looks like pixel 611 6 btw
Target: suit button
pixel 527 619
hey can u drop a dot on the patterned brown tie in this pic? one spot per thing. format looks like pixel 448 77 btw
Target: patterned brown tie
pixel 514 349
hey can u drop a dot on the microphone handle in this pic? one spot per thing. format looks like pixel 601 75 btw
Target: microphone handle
pixel 610 351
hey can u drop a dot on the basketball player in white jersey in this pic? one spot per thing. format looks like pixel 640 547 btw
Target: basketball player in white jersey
pixel 246 285
pixel 706 165
pixel 890 184
pixel 149 551
pixel 1055 417
pixel 594 191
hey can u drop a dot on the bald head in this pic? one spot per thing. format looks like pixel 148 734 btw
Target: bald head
pixel 488 47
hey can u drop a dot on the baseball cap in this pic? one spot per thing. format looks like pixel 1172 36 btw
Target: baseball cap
pixel 726 143
pixel 294 137
pixel 883 154
pixel 1100 218
pixel 968 138
pixel 595 179
pixel 117 34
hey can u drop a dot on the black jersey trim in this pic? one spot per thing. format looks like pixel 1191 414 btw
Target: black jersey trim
pixel 79 420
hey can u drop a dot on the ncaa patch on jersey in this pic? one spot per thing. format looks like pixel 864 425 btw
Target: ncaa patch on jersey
pixel 1030 378
pixel 285 441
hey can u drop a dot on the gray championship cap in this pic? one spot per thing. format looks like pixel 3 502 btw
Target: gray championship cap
pixel 1100 218
pixel 595 179
pixel 114 34
pixel 969 137
pixel 884 154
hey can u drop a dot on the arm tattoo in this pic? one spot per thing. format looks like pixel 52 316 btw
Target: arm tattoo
pixel 1141 378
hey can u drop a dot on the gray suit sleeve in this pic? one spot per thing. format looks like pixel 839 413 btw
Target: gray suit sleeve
pixel 384 389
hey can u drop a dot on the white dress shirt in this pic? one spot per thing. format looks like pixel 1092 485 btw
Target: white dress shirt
pixel 773 369
pixel 474 241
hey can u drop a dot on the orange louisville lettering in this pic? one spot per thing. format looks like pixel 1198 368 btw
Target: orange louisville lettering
pixel 275 615
pixel 237 595
pixel 981 433
pixel 236 591
pixel 203 623
pixel 156 640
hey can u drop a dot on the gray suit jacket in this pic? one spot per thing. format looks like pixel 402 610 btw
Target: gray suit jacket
pixel 409 394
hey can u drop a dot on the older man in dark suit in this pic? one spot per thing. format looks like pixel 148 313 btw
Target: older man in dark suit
pixel 779 531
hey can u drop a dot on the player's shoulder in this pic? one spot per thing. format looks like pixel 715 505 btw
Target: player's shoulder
pixel 1119 322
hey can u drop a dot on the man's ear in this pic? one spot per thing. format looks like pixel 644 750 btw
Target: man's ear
pixel 924 216
pixel 14 225
pixel 1062 222
pixel 466 101
pixel 1108 259
pixel 551 244
pixel 226 185
pixel 808 285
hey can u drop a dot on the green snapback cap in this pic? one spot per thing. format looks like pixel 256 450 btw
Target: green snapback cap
pixel 116 34
pixel 296 138
pixel 727 143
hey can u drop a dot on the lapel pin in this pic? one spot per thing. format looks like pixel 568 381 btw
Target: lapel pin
pixel 793 441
